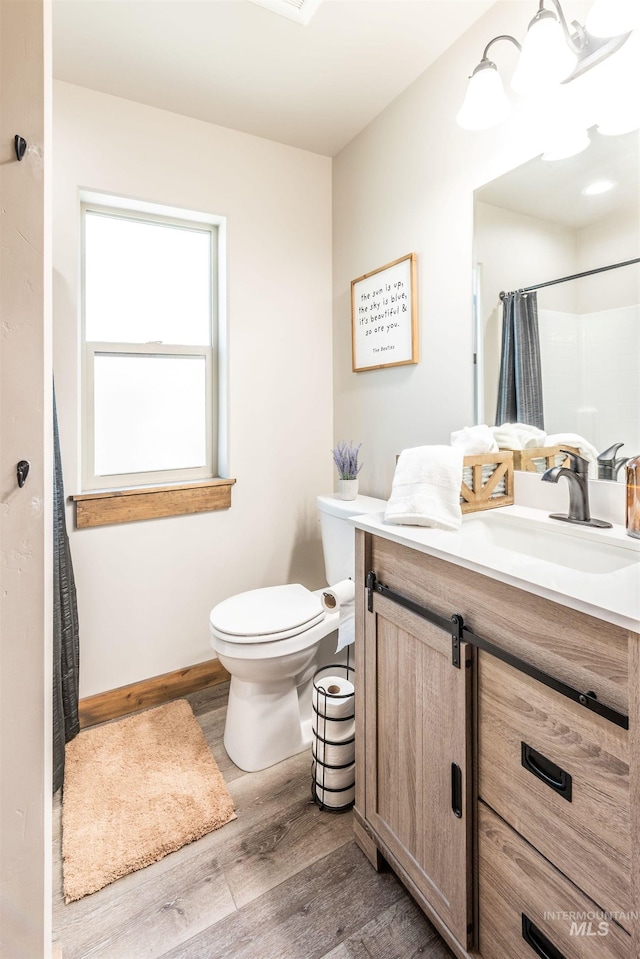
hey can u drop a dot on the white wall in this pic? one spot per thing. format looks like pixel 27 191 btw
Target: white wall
pixel 145 589
pixel 612 239
pixel 406 184
pixel 26 533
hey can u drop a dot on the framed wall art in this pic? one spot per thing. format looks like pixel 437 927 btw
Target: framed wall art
pixel 384 316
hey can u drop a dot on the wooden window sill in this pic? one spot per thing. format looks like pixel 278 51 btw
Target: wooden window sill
pixel 107 507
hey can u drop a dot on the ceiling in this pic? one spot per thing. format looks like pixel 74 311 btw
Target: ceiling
pixel 236 64
pixel 552 190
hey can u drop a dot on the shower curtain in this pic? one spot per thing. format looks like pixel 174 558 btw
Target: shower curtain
pixel 520 385
pixel 66 723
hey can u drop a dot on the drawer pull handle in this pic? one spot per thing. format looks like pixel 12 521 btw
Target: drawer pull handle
pixel 551 775
pixel 456 790
pixel 538 941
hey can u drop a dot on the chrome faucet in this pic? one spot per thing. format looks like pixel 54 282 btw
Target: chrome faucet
pixel 608 465
pixel 577 474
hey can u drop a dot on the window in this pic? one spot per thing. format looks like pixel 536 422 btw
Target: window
pixel 150 409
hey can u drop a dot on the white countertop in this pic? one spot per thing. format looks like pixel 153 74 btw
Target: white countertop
pixel 612 593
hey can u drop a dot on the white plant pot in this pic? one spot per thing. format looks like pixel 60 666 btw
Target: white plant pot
pixel 347 489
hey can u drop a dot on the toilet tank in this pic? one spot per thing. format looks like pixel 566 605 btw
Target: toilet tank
pixel 338 535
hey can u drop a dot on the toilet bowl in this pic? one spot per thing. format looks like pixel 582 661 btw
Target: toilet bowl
pixel 269 708
pixel 268 640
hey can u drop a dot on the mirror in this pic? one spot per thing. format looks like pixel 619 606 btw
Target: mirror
pixel 535 224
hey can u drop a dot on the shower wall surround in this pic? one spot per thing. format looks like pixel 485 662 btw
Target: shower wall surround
pixel 591 375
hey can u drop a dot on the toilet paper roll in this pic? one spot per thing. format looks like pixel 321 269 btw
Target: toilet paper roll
pixel 346 627
pixel 335 800
pixel 333 730
pixel 335 779
pixel 333 697
pixel 341 599
pixel 335 787
pixel 335 596
pixel 334 755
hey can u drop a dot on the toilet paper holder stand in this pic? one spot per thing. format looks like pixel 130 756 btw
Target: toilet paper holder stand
pixel 321 771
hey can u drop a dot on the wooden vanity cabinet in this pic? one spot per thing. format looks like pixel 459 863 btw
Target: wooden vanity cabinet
pixel 499 801
pixel 417 754
pixel 414 803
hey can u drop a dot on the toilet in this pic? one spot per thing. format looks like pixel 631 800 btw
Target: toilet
pixel 269 641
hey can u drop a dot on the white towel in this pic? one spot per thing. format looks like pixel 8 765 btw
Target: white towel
pixel 475 439
pixel 518 436
pixel 584 447
pixel 426 488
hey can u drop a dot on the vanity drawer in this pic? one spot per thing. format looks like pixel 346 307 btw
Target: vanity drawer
pixel 528 909
pixel 577 649
pixel 559 774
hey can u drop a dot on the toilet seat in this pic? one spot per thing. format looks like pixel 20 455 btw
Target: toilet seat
pixel 266 615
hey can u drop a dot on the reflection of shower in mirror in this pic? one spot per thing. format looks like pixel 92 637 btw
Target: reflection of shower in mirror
pixel 534 225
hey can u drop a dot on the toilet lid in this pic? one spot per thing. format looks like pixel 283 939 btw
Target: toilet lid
pixel 268 613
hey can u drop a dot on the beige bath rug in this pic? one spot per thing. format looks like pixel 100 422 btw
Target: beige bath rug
pixel 135 790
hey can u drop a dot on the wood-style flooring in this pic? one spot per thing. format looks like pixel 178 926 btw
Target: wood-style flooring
pixel 283 881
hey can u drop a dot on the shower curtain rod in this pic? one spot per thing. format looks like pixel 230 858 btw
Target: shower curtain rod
pixel 576 276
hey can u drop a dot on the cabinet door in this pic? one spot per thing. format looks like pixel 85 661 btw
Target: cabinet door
pixel 417 707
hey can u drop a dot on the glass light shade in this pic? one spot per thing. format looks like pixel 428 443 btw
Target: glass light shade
pixel 485 103
pixel 618 123
pixel 566 145
pixel 614 97
pixel 546 59
pixel 613 18
pixel 556 121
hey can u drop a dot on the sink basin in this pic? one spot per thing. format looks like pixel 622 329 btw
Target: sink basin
pixel 570 547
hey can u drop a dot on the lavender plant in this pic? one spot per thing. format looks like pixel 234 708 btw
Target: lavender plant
pixel 346 460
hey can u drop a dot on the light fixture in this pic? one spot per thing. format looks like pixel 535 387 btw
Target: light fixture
pixel 617 107
pixel 567 145
pixel 552 53
pixel 611 18
pixel 557 123
pixel 619 123
pixel 300 11
pixel 546 59
pixel 598 187
pixel 485 103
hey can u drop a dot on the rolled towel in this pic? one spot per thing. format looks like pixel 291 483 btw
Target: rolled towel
pixel 475 439
pixel 584 447
pixel 426 488
pixel 517 436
